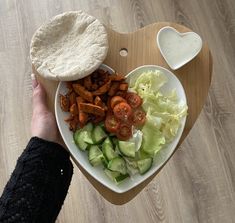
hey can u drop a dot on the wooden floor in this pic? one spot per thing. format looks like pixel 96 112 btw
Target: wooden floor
pixel 198 183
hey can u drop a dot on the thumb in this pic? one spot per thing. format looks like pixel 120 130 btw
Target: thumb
pixel 39 95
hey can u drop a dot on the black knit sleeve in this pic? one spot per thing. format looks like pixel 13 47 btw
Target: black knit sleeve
pixel 38 185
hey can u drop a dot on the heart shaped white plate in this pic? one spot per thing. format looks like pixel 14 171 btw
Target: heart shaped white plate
pixel 81 157
pixel 178 48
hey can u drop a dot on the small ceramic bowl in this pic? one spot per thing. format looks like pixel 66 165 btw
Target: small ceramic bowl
pixel 178 48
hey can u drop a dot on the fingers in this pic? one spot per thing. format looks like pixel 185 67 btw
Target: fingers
pixel 39 95
pixel 34 81
pixel 43 124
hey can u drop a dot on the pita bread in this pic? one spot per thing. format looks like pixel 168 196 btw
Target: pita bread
pixel 70 46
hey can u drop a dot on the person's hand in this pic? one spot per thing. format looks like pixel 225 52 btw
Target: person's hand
pixel 43 124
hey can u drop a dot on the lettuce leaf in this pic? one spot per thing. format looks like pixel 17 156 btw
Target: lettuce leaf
pixel 153 139
pixel 164 111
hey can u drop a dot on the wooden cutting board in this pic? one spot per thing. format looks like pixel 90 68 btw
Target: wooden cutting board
pixel 130 50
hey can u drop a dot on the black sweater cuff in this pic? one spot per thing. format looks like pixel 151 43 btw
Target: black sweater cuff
pixel 38 185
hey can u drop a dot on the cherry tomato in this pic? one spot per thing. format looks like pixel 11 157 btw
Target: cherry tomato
pixel 133 99
pixel 116 100
pixel 124 132
pixel 138 117
pixel 111 123
pixel 122 111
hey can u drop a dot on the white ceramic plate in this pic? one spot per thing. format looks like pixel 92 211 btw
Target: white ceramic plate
pixel 97 172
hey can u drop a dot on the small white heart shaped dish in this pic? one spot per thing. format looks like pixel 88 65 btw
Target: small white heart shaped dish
pixel 178 48
pixel 165 104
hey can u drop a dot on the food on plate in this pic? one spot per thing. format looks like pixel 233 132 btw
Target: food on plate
pixel 85 94
pixel 64 103
pixel 116 100
pixel 111 123
pixel 69 47
pixel 92 109
pixel 132 124
pixel 123 86
pixel 122 111
pixel 164 111
pixel 125 131
pixel 133 99
pixel 138 117
pixel 87 103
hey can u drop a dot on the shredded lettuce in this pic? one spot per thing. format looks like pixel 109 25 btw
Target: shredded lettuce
pixel 164 111
pixel 136 138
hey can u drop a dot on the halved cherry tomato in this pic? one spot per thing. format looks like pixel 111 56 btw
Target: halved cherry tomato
pixel 122 111
pixel 111 123
pixel 133 99
pixel 124 132
pixel 138 117
pixel 116 100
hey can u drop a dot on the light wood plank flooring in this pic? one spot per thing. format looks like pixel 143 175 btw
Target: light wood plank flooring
pixel 198 183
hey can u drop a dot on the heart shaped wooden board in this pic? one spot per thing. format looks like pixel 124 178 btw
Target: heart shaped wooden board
pixel 142 49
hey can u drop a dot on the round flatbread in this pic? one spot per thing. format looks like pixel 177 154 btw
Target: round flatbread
pixel 69 47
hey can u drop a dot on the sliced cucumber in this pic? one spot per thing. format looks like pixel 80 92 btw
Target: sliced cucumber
pixel 86 133
pixel 95 155
pixel 141 154
pixel 102 125
pixel 98 134
pixel 79 140
pixel 104 161
pixel 121 177
pixel 118 164
pixel 108 141
pixel 119 158
pixel 131 162
pixel 87 137
pixel 107 148
pixel 117 150
pixel 144 165
pixel 127 148
pixel 88 127
pixel 131 165
pixel 115 176
pixel 115 141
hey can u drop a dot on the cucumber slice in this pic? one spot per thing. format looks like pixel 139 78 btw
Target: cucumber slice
pixel 131 162
pixel 86 133
pixel 79 140
pixel 117 150
pixel 144 165
pixel 141 154
pixel 115 176
pixel 118 164
pixel 104 161
pixel 108 141
pixel 88 127
pixel 98 134
pixel 102 125
pixel 121 177
pixel 88 138
pixel 107 148
pixel 115 141
pixel 112 174
pixel 127 148
pixel 131 165
pixel 95 155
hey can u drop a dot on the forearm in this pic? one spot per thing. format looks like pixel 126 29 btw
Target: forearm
pixel 38 185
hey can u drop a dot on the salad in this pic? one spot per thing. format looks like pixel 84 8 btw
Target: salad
pixel 122 126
